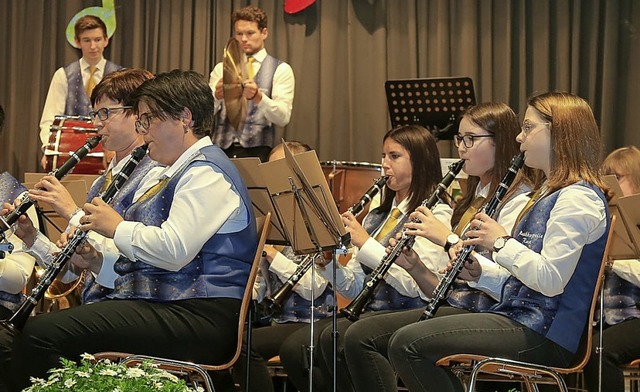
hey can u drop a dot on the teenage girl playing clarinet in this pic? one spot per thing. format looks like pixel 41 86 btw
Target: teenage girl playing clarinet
pixel 411 160
pixel 544 276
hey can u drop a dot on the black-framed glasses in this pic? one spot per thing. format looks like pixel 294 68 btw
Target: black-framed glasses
pixel 144 122
pixel 104 113
pixel 528 126
pixel 467 140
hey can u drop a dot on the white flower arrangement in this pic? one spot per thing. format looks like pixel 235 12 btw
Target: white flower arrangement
pixel 105 376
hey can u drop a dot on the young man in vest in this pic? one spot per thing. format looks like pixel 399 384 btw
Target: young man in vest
pixel 71 85
pixel 269 91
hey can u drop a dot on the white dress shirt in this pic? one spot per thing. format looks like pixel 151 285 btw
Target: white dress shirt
pixel 350 278
pixel 284 267
pixel 15 268
pixel 577 219
pixel 43 249
pixel 57 95
pixel 276 108
pixel 628 269
pixel 204 204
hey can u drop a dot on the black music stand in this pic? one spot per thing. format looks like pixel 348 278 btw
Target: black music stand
pixel 434 103
pixel 626 237
pixel 312 221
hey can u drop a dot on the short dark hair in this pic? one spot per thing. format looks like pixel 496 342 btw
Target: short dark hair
pixel 251 14
pixel 169 93
pixel 89 22
pixel 119 85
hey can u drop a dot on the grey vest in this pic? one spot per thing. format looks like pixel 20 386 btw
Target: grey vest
pixel 257 130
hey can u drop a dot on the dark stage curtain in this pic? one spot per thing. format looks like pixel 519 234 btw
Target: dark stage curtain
pixel 342 52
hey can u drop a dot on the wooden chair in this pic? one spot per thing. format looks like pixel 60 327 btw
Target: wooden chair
pixel 470 366
pixel 632 375
pixel 197 373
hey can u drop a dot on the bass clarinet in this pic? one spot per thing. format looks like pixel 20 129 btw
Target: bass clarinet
pixel 490 208
pixel 275 302
pixel 17 321
pixel 353 310
pixel 25 202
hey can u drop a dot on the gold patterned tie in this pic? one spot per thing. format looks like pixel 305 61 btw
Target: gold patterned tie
pixel 91 82
pixel 469 214
pixel 534 198
pixel 389 225
pixel 154 189
pixel 107 181
pixel 250 61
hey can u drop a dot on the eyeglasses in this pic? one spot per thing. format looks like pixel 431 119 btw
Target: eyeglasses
pixel 467 140
pixel 104 113
pixel 528 126
pixel 144 122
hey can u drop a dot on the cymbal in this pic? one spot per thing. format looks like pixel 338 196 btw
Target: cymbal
pixel 233 73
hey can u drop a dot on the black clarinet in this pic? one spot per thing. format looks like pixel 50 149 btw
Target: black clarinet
pixel 490 208
pixel 275 302
pixel 17 321
pixel 25 202
pixel 355 307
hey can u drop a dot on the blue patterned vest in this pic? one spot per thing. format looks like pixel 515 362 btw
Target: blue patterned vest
pixel 385 296
pixel 463 296
pixel 562 318
pixel 220 269
pixel 621 299
pixel 296 309
pixel 10 189
pixel 92 291
pixel 78 103
pixel 257 130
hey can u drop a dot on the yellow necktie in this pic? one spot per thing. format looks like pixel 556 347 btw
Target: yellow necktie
pixel 107 181
pixel 389 225
pixel 469 214
pixel 154 190
pixel 91 82
pixel 534 198
pixel 250 61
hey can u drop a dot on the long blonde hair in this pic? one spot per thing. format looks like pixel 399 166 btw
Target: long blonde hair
pixel 576 148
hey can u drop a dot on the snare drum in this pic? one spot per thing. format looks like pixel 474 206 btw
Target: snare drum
pixel 348 181
pixel 67 134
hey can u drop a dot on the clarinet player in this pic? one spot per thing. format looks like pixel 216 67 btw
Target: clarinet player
pixel 411 160
pixel 115 122
pixel 553 257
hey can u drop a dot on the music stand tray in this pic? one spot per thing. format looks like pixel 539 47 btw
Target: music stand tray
pixel 434 103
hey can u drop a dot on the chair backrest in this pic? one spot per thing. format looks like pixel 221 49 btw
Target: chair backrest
pixel 587 341
pixel 262 224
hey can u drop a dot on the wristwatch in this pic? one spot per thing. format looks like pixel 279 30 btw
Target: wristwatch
pixel 501 242
pixel 452 239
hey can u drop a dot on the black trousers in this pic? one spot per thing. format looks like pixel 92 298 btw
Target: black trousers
pixel 198 330
pixel 266 343
pixel 621 346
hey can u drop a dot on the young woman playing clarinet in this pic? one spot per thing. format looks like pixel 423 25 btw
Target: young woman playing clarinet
pixel 544 276
pixel 412 162
pixel 486 142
